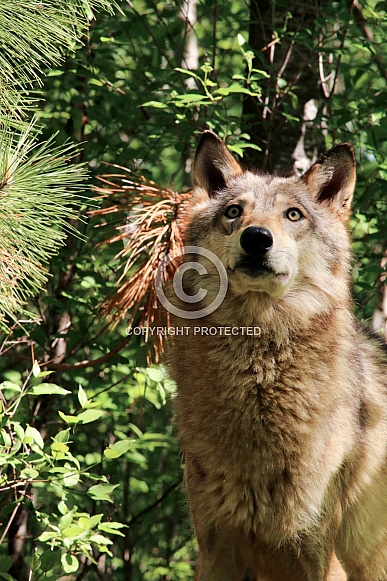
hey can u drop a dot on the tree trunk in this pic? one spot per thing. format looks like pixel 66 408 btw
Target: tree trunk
pixel 288 64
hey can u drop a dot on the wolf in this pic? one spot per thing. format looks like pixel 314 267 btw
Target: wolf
pixel 284 432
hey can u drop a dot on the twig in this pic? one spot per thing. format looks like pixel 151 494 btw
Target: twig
pixel 78 364
pixel 149 508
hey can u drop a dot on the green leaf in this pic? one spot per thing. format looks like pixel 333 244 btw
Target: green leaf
pixel 240 147
pixel 85 522
pixel 90 416
pixel 9 385
pixel 118 449
pixel 19 432
pixel 49 559
pixel 35 369
pixel 206 68
pixel 62 436
pixel 156 374
pixel 5 563
pixel 234 88
pixel 82 397
pixel 71 476
pixel 59 450
pixel 100 540
pixel 63 508
pixel 241 40
pixel 33 561
pixel 66 520
pixel 7 441
pixel 48 389
pixel 95 519
pixel 33 437
pixel 190 98
pixel 73 531
pixel 45 373
pixel 112 528
pixel 47 536
pixel 189 73
pixel 29 474
pixel 155 104
pixel 102 491
pixel 259 74
pixel 68 419
pixel 70 563
pixel 6 576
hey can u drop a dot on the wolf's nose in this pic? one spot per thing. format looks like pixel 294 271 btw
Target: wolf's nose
pixel 256 240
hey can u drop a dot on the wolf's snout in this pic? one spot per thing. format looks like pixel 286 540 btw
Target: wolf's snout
pixel 256 241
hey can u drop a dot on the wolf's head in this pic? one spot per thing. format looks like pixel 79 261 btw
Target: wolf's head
pixel 283 239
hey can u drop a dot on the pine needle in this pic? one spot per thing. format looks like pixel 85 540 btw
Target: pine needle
pixel 38 195
pixel 36 35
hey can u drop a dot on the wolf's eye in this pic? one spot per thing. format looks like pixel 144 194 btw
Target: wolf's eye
pixel 294 214
pixel 233 211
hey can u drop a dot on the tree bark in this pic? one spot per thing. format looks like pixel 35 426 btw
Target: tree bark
pixel 285 62
pixel 17 534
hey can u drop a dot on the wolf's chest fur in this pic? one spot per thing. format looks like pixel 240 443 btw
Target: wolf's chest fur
pixel 249 411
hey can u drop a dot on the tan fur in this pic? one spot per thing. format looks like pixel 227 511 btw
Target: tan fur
pixel 284 434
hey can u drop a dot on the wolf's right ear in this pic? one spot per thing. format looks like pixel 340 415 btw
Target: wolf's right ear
pixel 214 166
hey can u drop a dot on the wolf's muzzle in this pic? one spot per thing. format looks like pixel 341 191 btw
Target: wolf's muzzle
pixel 256 241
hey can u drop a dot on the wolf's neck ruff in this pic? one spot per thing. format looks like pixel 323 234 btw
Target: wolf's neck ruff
pixel 279 320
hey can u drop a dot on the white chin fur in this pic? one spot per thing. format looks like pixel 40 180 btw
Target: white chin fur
pixel 273 285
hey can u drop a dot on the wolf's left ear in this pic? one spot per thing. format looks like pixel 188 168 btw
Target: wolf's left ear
pixel 214 166
pixel 331 180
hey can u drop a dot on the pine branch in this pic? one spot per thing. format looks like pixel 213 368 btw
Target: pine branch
pixel 39 192
pixel 25 54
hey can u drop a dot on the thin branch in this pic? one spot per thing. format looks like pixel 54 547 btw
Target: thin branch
pixel 11 518
pixel 286 60
pixel 215 18
pixel 78 364
pixel 149 508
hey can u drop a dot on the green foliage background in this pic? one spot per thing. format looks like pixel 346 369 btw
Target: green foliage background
pixel 90 473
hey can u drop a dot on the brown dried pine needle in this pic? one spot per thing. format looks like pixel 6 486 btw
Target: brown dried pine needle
pixel 148 222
